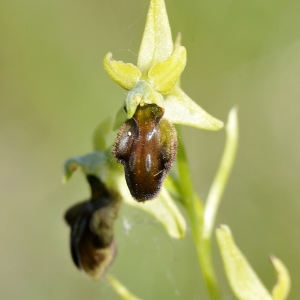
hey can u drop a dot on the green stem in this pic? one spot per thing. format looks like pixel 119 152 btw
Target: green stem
pixel 203 248
pixel 195 211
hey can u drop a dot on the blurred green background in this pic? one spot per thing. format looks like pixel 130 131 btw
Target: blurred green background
pixel 54 92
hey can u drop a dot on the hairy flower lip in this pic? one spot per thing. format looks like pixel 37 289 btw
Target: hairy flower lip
pixel 146 146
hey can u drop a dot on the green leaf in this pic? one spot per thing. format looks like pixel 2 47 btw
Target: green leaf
pixel 157 44
pixel 282 287
pixel 181 109
pixel 243 280
pixel 221 178
pixel 120 289
pixel 124 74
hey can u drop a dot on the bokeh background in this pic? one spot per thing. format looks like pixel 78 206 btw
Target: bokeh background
pixel 54 92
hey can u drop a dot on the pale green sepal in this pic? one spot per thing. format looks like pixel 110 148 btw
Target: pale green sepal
pixel 243 280
pixel 124 74
pixel 181 109
pixel 102 134
pixel 163 209
pixel 217 188
pixel 157 44
pixel 282 288
pixel 142 94
pixel 120 289
pixel 164 75
pixel 91 164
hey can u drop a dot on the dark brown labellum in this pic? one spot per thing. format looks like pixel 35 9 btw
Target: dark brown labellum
pixel 92 240
pixel 146 145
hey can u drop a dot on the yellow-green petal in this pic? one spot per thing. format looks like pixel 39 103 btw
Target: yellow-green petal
pixel 124 74
pixel 164 75
pixel 282 287
pixel 243 280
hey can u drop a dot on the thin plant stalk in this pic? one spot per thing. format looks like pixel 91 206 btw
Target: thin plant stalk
pixel 195 212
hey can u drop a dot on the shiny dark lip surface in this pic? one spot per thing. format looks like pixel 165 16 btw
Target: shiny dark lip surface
pixel 146 146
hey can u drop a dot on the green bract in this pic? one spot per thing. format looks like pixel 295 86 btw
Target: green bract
pixel 282 287
pixel 243 280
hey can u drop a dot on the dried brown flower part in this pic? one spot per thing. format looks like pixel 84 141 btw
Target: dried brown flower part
pixel 92 241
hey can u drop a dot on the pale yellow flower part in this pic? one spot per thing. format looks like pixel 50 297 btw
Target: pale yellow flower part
pixel 124 74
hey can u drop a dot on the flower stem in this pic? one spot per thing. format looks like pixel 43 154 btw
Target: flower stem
pixel 203 248
pixel 194 209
